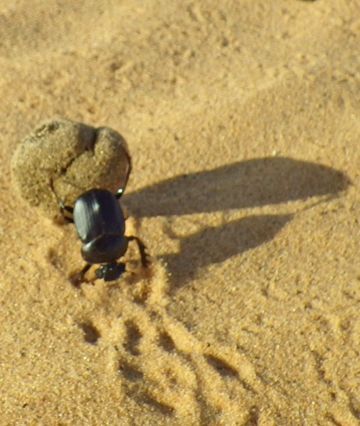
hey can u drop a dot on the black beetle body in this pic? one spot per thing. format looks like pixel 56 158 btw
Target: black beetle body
pixel 100 224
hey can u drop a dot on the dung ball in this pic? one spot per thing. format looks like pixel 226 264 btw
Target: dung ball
pixel 61 159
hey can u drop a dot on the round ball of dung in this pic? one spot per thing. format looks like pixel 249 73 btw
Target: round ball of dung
pixel 61 159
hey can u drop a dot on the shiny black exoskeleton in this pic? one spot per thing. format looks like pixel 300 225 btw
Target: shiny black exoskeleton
pixel 100 224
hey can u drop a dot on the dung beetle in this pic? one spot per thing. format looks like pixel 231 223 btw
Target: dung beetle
pixel 100 224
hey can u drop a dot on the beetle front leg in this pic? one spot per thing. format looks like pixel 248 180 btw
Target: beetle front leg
pixel 142 250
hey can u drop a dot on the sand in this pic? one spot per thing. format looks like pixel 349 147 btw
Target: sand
pixel 242 119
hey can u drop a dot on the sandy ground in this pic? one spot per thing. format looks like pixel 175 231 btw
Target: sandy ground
pixel 243 124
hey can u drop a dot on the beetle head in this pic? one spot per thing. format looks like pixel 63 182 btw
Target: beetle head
pixel 110 271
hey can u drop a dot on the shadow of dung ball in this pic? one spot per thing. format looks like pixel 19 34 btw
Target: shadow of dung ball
pixel 62 159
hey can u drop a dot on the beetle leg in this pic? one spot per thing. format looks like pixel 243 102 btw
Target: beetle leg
pixel 129 169
pixel 121 191
pixel 142 249
pixel 63 207
pixel 66 209
pixel 79 277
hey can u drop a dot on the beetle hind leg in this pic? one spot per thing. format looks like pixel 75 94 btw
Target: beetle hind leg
pixel 63 208
pixel 120 191
pixel 78 278
pixel 144 256
pixel 67 212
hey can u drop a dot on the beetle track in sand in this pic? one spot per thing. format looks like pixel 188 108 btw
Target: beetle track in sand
pixel 163 366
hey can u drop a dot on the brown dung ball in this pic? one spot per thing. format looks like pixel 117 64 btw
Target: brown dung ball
pixel 61 159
